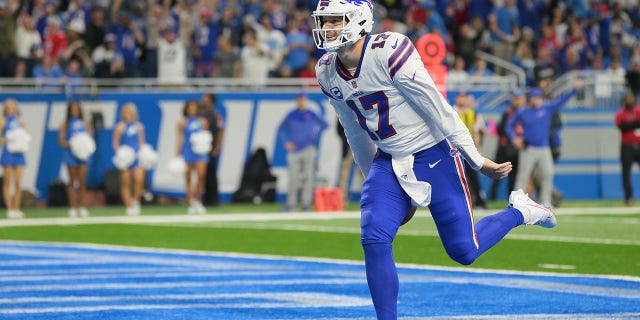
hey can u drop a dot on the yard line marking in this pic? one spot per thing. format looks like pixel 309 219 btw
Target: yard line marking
pixel 302 299
pixel 557 266
pixel 429 233
pixel 230 217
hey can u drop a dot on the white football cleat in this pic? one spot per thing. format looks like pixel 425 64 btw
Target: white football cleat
pixel 72 213
pixel 533 213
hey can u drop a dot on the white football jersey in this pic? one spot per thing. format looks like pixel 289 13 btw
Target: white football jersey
pixel 392 97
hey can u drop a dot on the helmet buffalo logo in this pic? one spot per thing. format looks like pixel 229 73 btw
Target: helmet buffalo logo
pixel 360 2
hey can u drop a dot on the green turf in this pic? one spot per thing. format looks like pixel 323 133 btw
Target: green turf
pixel 589 244
pixel 509 254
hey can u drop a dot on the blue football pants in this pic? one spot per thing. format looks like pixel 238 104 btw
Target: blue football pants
pixel 384 206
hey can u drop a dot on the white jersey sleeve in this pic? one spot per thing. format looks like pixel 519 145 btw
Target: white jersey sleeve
pixel 416 85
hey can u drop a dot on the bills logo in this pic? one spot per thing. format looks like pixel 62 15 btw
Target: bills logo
pixel 323 4
pixel 454 151
pixel 361 2
pixel 335 91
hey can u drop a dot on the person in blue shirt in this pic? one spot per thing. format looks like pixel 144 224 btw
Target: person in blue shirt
pixel 535 150
pixel 12 163
pixel 130 132
pixel 299 132
pixel 74 124
pixel 189 125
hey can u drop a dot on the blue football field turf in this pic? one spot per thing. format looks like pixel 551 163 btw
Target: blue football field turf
pixel 70 281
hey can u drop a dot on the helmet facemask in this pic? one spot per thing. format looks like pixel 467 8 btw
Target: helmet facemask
pixel 357 21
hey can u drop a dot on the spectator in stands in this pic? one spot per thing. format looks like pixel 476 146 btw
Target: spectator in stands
pixel 96 29
pixel 309 72
pixel 545 70
pixel 191 124
pixel 55 40
pixel 256 59
pixel 8 22
pixel 273 39
pixel 50 11
pixel 205 44
pixel 172 59
pixel 48 74
pixel 28 44
pixel 535 151
pixel 300 132
pixel 107 59
pixel 12 162
pixel 523 58
pixel 627 120
pixel 130 132
pixel 77 48
pixel 479 70
pixel 130 41
pixel 457 74
pixel 548 39
pixel 300 46
pixel 155 21
pixel 73 125
pixel 504 23
pixel 230 25
pixel 632 77
pixel 227 59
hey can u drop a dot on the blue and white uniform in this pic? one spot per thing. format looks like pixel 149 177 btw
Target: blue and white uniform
pixel 75 126
pixel 409 143
pixel 131 137
pixel 192 125
pixel 8 158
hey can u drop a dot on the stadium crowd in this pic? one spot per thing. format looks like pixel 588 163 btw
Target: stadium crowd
pixel 60 41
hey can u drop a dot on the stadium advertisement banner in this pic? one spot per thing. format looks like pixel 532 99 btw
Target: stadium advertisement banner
pixel 251 121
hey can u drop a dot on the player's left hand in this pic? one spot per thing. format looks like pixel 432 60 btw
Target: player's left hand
pixel 494 170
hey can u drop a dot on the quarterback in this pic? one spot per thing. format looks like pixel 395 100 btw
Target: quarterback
pixel 409 143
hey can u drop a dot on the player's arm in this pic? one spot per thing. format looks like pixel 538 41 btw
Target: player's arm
pixel 419 89
pixel 361 145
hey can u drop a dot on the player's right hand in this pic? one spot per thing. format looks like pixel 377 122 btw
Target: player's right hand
pixel 494 170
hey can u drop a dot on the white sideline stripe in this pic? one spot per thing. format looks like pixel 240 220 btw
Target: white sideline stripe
pixel 230 217
pixel 175 284
pixel 280 300
pixel 354 230
pixel 505 282
pixel 218 254
pixel 157 275
pixel 183 218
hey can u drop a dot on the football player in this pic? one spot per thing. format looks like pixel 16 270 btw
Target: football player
pixel 409 143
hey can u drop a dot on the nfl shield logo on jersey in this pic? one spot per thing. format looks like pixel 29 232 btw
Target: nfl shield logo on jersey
pixel 335 91
pixel 354 84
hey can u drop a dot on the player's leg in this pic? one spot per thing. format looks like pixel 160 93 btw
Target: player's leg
pixel 545 165
pixel 384 205
pixel 293 169
pixel 452 210
pixel 308 172
pixel 526 163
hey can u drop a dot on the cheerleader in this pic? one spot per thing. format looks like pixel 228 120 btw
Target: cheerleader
pixel 12 160
pixel 75 127
pixel 194 149
pixel 128 137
